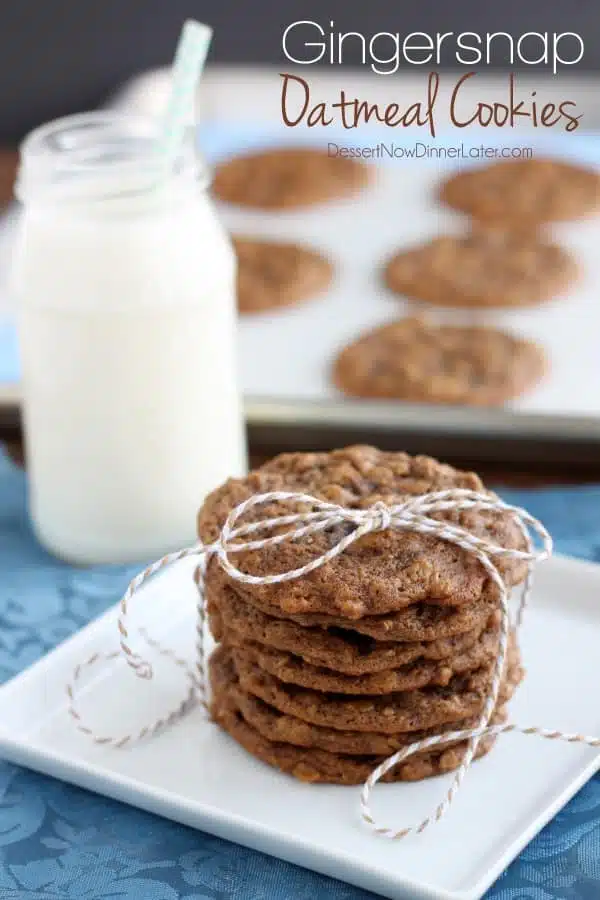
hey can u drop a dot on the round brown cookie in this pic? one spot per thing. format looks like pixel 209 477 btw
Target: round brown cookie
pixel 316 766
pixel 419 622
pixel 9 163
pixel 482 269
pixel 463 697
pixel 272 274
pixel 340 649
pixel 293 669
pixel 525 192
pixel 276 726
pixel 414 360
pixel 288 178
pixel 383 571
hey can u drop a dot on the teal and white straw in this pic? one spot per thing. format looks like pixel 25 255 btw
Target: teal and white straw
pixel 190 57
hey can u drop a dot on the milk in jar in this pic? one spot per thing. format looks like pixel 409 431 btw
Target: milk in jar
pixel 125 284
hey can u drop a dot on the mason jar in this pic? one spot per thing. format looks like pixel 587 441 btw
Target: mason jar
pixel 124 281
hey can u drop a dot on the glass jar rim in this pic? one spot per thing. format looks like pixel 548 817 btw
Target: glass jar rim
pixel 103 144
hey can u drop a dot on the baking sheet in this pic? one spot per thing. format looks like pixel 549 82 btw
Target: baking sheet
pixel 286 354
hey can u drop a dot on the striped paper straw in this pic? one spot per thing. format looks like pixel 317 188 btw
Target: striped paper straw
pixel 190 57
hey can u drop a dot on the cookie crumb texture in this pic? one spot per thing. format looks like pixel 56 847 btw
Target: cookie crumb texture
pixel 414 360
pixel 488 268
pixel 524 193
pixel 288 178
pixel 272 274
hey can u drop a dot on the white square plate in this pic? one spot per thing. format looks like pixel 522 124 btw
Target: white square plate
pixel 197 775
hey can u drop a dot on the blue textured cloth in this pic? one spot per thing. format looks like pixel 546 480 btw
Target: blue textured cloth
pixel 57 841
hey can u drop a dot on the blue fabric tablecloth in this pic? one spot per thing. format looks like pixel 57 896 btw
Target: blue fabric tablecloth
pixel 59 842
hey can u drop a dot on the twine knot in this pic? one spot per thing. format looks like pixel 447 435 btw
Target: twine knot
pixel 381 516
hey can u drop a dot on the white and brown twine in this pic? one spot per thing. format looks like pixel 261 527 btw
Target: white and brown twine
pixel 414 514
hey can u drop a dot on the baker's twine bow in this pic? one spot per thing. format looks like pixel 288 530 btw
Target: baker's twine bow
pixel 414 514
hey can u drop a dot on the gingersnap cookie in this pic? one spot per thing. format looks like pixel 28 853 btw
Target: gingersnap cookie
pixel 524 193
pixel 414 360
pixel 418 622
pixel 464 696
pixel 278 727
pixel 384 571
pixel 9 163
pixel 320 766
pixel 288 178
pixel 487 268
pixel 294 670
pixel 340 649
pixel 272 274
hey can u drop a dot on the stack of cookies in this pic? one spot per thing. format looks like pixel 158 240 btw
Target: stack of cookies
pixel 395 639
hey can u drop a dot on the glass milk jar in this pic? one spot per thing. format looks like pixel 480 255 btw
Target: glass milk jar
pixel 125 284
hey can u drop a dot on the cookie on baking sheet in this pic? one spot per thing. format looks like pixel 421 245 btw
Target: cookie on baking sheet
pixel 383 572
pixel 9 163
pixel 272 274
pixel 464 696
pixel 487 268
pixel 287 178
pixel 279 727
pixel 525 192
pixel 414 360
pixel 417 623
pixel 293 669
pixel 340 649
